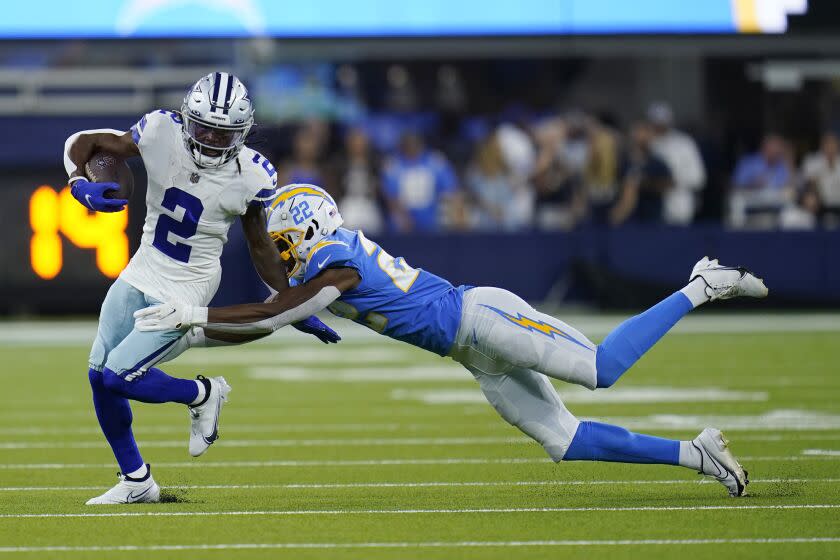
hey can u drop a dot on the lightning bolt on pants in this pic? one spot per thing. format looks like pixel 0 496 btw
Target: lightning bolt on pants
pixel 510 348
pixel 501 332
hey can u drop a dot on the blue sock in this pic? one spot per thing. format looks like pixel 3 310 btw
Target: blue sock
pixel 114 415
pixel 603 442
pixel 154 386
pixel 631 339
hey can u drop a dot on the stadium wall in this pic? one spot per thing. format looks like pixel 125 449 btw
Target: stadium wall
pixel 624 268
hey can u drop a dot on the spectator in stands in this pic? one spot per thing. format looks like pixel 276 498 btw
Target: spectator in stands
pixel 679 151
pixel 767 170
pixel 561 199
pixel 356 184
pixel 821 173
pixel 645 180
pixel 421 189
pixel 600 177
pixel 803 213
pixel 305 165
pixel 502 201
pixel 761 184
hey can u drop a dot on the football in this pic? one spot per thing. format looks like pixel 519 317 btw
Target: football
pixel 104 167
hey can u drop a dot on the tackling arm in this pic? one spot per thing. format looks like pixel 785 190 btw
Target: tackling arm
pixel 289 306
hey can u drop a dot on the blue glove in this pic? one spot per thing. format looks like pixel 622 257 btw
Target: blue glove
pixel 92 195
pixel 314 326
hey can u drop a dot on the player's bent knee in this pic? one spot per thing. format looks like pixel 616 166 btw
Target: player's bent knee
pixel 113 382
pixel 95 378
pixel 607 368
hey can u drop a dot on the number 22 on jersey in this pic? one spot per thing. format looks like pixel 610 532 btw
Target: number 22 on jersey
pixel 184 228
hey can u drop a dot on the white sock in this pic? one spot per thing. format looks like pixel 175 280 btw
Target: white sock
pixel 202 392
pixel 695 291
pixel 139 473
pixel 690 456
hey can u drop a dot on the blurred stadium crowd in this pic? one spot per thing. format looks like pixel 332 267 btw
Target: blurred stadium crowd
pixel 552 171
pixel 512 145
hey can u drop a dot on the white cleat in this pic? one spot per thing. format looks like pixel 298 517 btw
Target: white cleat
pixel 130 491
pixel 717 461
pixel 205 417
pixel 726 282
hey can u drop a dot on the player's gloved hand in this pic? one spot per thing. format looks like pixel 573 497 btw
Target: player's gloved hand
pixel 92 195
pixel 169 317
pixel 314 326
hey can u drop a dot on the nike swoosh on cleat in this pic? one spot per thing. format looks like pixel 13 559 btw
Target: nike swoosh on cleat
pixel 214 435
pixel 131 497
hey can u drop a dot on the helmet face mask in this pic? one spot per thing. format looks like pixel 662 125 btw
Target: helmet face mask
pixel 217 116
pixel 287 242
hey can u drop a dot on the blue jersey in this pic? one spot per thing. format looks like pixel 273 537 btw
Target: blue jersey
pixel 401 302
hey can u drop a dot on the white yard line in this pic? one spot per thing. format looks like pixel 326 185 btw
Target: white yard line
pixel 822 452
pixel 361 462
pixel 446 371
pixel 244 428
pixel 468 484
pixel 350 442
pixel 340 512
pixel 494 425
pixel 426 544
pixel 357 442
pixel 573 394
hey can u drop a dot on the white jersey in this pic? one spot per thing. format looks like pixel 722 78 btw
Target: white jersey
pixel 189 211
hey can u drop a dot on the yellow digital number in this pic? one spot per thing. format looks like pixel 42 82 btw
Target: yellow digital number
pixel 51 213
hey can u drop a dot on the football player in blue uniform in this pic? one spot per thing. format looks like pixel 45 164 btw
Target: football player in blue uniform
pixel 509 347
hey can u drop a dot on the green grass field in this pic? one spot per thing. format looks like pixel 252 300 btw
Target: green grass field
pixel 371 449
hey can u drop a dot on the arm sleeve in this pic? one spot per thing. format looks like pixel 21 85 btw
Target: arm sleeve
pixel 316 303
pixel 69 166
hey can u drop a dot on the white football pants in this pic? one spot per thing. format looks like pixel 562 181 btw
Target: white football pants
pixel 510 348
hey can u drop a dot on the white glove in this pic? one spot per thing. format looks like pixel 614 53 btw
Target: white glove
pixel 169 317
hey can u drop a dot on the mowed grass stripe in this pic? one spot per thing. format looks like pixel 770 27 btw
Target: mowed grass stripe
pixel 430 544
pixel 440 484
pixel 418 511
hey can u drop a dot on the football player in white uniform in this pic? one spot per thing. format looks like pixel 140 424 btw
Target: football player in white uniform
pixel 201 176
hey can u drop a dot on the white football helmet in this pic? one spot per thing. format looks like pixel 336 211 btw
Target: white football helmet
pixel 300 217
pixel 217 114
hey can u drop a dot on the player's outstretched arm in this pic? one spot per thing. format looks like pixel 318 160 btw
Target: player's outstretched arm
pixel 290 306
pixel 264 253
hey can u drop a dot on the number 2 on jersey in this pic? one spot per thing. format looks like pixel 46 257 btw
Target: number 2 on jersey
pixel 185 228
